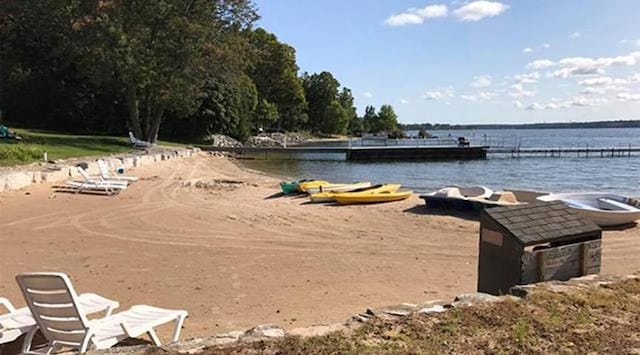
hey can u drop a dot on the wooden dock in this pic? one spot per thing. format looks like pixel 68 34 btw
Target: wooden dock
pixel 585 152
pixel 366 153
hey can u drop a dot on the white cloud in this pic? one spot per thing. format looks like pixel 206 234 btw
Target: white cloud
pixel 575 35
pixel 478 10
pixel 625 96
pixel 367 95
pixel 415 16
pixel 439 94
pixel 404 101
pixel 540 64
pixel 592 91
pixel 480 97
pixel 527 50
pixel 546 45
pixel 517 104
pixel 518 91
pixel 433 11
pixel 481 81
pixel 579 101
pixel 580 66
pixel 599 81
pixel 530 78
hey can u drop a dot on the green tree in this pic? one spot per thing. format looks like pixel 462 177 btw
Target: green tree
pixel 321 90
pixel 159 52
pixel 266 114
pixel 275 73
pixel 369 120
pixel 387 119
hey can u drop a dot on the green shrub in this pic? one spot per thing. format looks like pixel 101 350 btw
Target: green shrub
pixel 20 152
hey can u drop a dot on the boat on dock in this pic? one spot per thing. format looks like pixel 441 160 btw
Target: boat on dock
pixel 604 209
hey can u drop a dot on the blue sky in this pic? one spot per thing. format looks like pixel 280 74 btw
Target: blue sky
pixel 472 61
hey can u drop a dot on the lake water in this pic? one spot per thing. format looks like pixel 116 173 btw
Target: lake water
pixel 564 174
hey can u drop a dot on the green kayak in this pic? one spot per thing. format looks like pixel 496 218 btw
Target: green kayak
pixel 290 187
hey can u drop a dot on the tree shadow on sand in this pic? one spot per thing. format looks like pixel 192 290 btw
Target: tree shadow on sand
pixel 425 210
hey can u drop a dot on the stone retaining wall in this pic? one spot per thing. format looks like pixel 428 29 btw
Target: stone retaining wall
pixel 15 178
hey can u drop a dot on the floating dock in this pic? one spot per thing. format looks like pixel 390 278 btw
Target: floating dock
pixel 367 153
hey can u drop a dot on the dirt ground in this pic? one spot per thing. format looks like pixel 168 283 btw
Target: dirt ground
pixel 203 234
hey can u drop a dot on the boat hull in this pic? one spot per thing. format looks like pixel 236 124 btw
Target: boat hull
pixel 331 196
pixel 346 199
pixel 337 187
pixel 589 205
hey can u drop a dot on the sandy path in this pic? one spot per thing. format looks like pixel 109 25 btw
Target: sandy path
pixel 234 258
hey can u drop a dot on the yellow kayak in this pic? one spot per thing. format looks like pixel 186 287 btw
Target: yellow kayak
pixel 330 196
pixel 302 187
pixel 348 199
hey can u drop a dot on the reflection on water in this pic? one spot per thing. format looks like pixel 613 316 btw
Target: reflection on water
pixel 620 174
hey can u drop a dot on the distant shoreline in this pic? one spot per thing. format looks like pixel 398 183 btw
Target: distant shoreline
pixel 555 125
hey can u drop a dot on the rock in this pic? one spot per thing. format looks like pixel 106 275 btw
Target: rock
pixel 18 179
pixel 401 310
pixel 262 142
pixel 317 330
pixel 471 299
pixel 220 140
pixel 262 332
pixel 433 309
pixel 522 291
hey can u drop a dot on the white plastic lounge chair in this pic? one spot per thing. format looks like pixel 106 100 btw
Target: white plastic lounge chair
pixel 57 311
pixel 138 143
pixel 109 187
pixel 19 321
pixel 85 175
pixel 107 175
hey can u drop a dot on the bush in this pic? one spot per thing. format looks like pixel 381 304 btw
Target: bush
pixel 20 152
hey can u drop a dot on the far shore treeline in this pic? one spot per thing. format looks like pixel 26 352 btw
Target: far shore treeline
pixel 554 125
pixel 179 69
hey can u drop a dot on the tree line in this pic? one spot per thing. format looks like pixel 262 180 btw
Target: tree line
pixel 171 68
pixel 554 125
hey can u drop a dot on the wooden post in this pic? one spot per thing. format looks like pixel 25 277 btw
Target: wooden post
pixel 541 261
pixel 584 259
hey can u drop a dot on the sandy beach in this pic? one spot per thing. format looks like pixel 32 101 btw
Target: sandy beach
pixel 203 234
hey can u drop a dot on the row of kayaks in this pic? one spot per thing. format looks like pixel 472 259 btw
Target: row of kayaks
pixel 346 194
pixel 604 209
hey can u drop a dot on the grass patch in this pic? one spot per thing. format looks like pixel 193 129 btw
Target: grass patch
pixel 602 320
pixel 61 146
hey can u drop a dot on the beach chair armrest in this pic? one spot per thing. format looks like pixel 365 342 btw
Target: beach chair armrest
pixel 7 304
pixel 130 331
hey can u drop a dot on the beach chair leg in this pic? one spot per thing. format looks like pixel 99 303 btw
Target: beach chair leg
pixel 28 340
pixel 177 329
pixel 154 337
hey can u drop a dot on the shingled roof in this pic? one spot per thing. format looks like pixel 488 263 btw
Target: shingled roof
pixel 541 222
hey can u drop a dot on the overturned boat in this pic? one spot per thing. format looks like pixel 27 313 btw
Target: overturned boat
pixel 604 209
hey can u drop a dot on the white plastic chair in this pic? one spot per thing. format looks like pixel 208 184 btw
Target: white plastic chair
pixel 56 309
pixel 110 187
pixel 106 174
pixel 19 321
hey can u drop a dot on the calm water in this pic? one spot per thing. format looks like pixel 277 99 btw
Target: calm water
pixel 568 173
